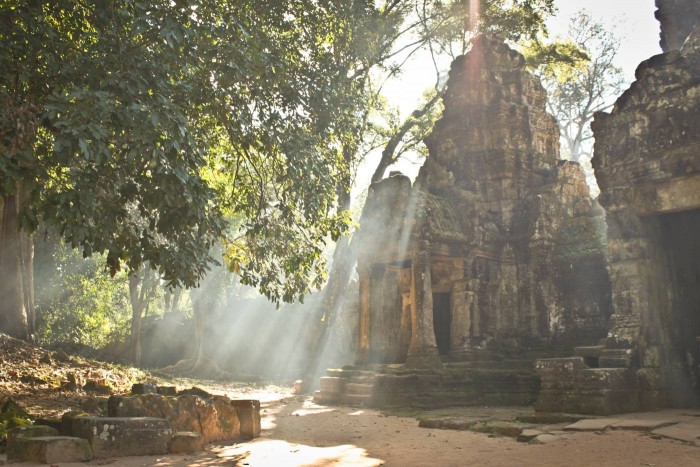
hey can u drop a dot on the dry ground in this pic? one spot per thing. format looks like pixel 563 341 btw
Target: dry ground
pixel 297 432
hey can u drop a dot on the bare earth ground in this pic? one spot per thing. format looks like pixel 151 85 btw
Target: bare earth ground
pixel 298 432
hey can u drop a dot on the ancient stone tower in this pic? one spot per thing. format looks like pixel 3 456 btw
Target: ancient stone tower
pixel 647 162
pixel 495 252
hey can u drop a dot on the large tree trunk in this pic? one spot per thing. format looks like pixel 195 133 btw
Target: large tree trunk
pixel 16 272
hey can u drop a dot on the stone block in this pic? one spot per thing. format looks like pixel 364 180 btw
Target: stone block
pixel 144 388
pixel 15 435
pixel 67 421
pixel 431 423
pixel 248 411
pixel 52 449
pixel 123 436
pixel 528 435
pixel 184 442
pixel 557 365
pixel 214 417
pixel 332 384
pixel 167 390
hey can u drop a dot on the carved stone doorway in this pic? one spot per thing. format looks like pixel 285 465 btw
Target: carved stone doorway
pixel 442 321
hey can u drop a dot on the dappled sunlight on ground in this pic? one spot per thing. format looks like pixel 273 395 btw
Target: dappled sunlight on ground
pixel 275 453
pixel 310 408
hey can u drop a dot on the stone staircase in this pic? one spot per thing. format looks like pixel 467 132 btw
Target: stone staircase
pixel 597 379
pixel 452 384
pixel 347 387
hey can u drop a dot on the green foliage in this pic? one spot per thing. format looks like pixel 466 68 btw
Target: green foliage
pixel 111 111
pixel 76 300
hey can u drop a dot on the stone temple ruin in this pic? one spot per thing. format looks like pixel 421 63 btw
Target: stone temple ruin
pixel 647 162
pixel 493 257
pixel 479 281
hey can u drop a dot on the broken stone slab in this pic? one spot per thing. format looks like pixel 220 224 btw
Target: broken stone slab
pixel 501 428
pixel 641 424
pixel 528 435
pixel 185 442
pixel 687 432
pixel 51 449
pixel 592 424
pixel 123 436
pixel 248 411
pixel 14 436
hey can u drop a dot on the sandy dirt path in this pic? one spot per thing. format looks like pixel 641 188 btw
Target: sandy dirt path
pixel 297 432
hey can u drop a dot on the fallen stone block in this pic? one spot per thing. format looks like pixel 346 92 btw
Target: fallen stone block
pixel 127 436
pixel 528 435
pixel 15 448
pixel 185 442
pixel 143 388
pixel 67 421
pixel 592 424
pixel 167 391
pixel 248 411
pixel 52 449
pixel 215 417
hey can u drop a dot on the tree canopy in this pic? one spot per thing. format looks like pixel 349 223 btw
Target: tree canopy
pixel 135 127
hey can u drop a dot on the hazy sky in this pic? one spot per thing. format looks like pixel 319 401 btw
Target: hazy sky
pixel 633 20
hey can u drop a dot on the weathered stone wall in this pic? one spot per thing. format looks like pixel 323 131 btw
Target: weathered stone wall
pixel 524 214
pixel 647 161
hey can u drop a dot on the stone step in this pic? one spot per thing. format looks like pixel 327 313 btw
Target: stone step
pixel 359 388
pixel 321 397
pixel 363 379
pixel 51 449
pixel 588 351
pixel 123 436
pixel 356 399
pixel 332 384
pixel 615 358
pixel 357 373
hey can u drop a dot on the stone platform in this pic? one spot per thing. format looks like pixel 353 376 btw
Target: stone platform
pixel 453 384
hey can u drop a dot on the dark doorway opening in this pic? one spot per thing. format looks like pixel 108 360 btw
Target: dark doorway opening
pixel 442 321
pixel 681 243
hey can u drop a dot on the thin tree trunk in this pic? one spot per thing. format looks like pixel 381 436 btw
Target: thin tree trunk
pixel 136 315
pixel 16 281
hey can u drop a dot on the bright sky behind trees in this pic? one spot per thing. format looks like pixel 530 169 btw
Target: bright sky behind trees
pixel 632 20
